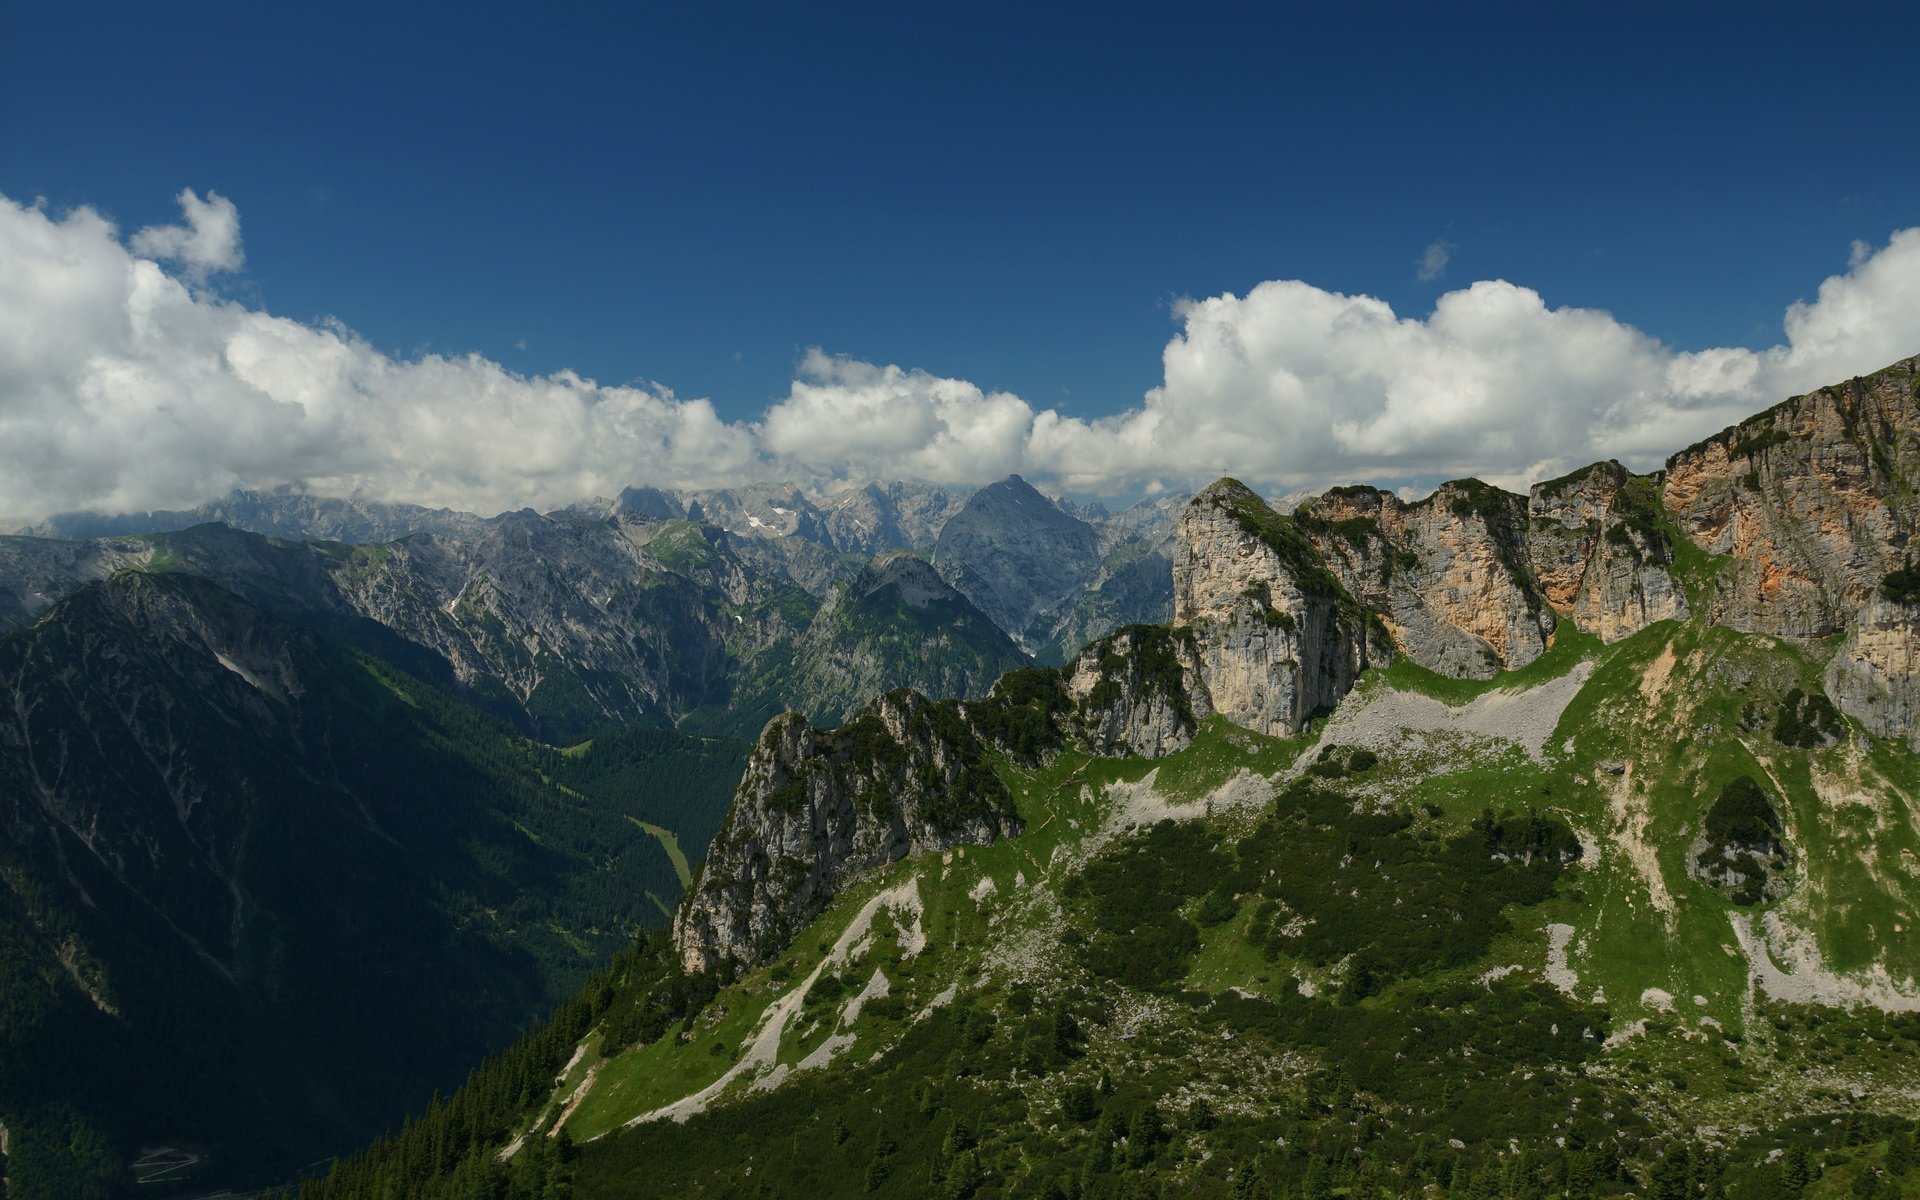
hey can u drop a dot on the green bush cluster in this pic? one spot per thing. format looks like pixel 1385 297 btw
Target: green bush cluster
pixel 1807 719
pixel 1744 847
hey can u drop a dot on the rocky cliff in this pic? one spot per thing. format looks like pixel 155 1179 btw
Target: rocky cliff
pixel 1449 575
pixel 1875 675
pixel 817 810
pixel 1601 553
pixel 1277 636
pixel 1140 691
pixel 1814 501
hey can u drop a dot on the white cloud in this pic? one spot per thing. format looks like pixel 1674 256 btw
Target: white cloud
pixel 208 242
pixel 123 388
pixel 1292 386
pixel 846 419
pixel 1433 261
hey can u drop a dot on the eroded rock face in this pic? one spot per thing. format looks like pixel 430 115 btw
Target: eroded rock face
pixel 1275 636
pixel 817 810
pixel 1814 499
pixel 1450 575
pixel 1875 675
pixel 1815 502
pixel 1600 553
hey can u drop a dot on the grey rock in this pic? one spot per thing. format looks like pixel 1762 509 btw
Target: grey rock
pixel 1450 575
pixel 817 810
pixel 1600 552
pixel 1874 677
pixel 888 516
pixel 1276 636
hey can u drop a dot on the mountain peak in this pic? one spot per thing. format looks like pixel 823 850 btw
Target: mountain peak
pixel 914 578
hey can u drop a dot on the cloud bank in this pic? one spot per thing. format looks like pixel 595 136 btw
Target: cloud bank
pixel 128 386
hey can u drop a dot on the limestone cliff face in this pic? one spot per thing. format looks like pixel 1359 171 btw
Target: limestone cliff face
pixel 1599 552
pixel 1814 499
pixel 1815 502
pixel 1275 636
pixel 1450 575
pixel 817 810
pixel 1875 675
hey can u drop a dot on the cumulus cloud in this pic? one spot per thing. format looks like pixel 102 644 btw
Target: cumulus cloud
pixel 1292 385
pixel 123 386
pixel 1433 261
pixel 208 242
pixel 850 420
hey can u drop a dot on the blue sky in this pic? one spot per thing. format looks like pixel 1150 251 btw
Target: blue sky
pixel 1015 199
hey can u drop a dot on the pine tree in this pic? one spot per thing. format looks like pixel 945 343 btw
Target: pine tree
pixel 1900 1153
pixel 1673 1175
pixel 1799 1171
pixel 1580 1174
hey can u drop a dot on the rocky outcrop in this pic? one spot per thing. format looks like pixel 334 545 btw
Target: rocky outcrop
pixel 1449 575
pixel 1275 636
pixel 1875 675
pixel 817 810
pixel 1814 499
pixel 1600 552
pixel 1016 555
pixel 1141 691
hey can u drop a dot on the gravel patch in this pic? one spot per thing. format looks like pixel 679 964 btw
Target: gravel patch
pixel 1559 973
pixel 1804 979
pixel 1384 720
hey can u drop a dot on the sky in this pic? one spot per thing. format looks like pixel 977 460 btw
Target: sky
pixel 489 257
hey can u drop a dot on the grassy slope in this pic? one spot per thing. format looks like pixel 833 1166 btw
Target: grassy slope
pixel 1668 703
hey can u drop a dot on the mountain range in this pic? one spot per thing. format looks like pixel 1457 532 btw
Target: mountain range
pixel 1499 844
